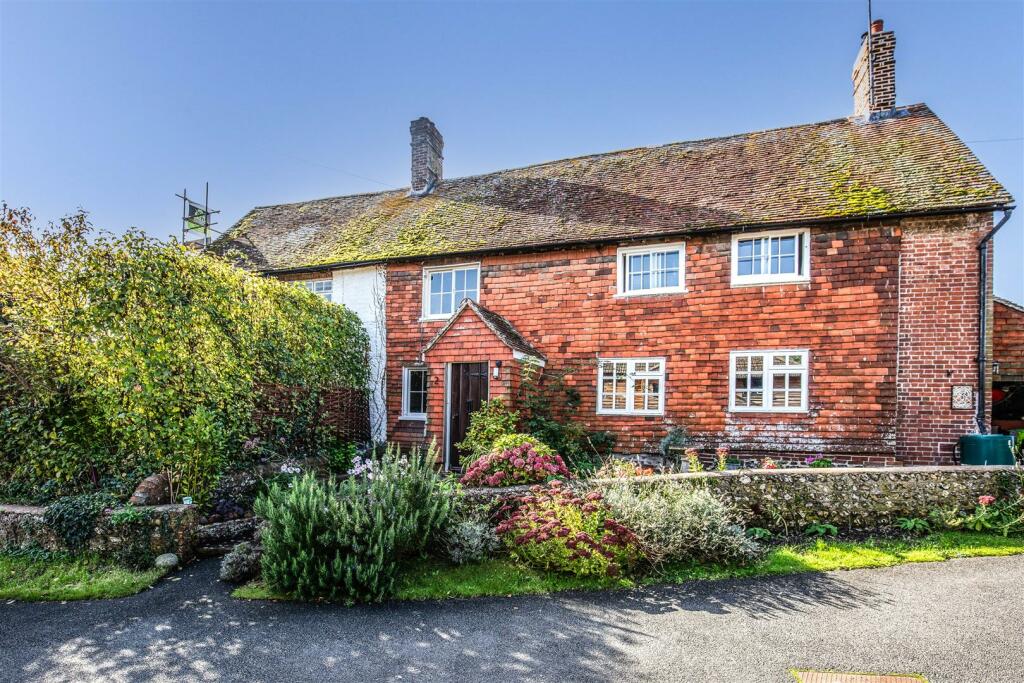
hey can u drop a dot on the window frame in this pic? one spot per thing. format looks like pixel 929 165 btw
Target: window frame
pixel 310 285
pixel 425 293
pixel 406 388
pixel 630 389
pixel 803 263
pixel 769 372
pixel 622 268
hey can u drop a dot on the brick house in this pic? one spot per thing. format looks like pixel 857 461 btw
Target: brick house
pixel 803 290
pixel 1007 365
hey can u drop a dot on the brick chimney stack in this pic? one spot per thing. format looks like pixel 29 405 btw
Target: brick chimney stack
pixel 427 146
pixel 874 83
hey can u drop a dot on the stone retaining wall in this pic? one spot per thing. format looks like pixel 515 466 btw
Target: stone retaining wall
pixel 167 529
pixel 850 498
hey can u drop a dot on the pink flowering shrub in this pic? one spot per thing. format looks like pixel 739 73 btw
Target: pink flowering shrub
pixel 985 501
pixel 526 463
pixel 555 529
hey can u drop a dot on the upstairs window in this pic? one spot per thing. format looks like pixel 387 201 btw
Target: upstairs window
pixel 651 269
pixel 766 258
pixel 631 386
pixel 445 288
pixel 414 393
pixel 324 288
pixel 768 381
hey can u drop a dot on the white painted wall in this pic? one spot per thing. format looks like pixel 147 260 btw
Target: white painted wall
pixel 362 291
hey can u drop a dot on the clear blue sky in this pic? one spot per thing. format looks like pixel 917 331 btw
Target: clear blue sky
pixel 115 106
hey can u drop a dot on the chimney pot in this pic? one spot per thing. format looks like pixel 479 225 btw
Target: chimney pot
pixel 427 153
pixel 877 26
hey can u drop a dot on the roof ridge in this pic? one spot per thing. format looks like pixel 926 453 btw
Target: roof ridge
pixel 1007 302
pixel 594 155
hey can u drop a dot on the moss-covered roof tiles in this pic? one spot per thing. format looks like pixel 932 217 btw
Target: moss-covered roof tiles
pixel 846 168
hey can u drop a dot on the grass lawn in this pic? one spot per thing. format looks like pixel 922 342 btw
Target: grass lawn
pixel 60 577
pixel 435 580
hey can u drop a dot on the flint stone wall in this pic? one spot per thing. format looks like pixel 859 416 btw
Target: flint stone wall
pixel 850 498
pixel 169 529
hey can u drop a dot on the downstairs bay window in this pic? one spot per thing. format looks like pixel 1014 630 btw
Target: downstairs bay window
pixel 768 381
pixel 631 386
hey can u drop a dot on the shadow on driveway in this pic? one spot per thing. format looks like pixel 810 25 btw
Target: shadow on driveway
pixel 189 628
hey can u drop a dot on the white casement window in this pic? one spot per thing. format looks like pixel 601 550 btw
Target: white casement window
pixel 769 257
pixel 324 288
pixel 631 386
pixel 414 393
pixel 652 269
pixel 445 288
pixel 768 381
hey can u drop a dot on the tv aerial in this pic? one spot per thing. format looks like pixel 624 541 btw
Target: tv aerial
pixel 196 226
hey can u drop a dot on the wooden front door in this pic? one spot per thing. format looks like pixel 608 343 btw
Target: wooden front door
pixel 467 390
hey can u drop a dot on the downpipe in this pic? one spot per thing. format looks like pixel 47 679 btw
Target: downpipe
pixel 982 402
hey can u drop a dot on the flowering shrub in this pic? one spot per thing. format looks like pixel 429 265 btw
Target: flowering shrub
pixel 503 443
pixel 769 464
pixel 693 460
pixel 361 467
pixel 1004 516
pixel 817 461
pixel 616 468
pixel 721 457
pixel 525 463
pixel 554 528
pixel 679 524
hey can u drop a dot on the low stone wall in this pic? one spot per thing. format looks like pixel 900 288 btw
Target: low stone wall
pixel 850 498
pixel 166 529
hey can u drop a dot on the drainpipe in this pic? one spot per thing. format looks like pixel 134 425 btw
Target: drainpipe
pixel 983 317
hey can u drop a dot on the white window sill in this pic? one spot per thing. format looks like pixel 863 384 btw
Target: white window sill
pixel 434 318
pixel 416 418
pixel 650 292
pixel 763 282
pixel 632 413
pixel 766 411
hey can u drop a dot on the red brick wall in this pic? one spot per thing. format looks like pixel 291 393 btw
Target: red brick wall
pixel 1008 342
pixel 938 334
pixel 565 303
pixel 865 342
pixel 468 340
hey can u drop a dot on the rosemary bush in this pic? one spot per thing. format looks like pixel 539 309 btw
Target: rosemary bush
pixel 344 540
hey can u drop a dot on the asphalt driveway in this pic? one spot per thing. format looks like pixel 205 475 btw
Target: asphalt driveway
pixel 957 621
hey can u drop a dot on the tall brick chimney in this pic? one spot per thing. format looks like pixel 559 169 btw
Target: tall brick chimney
pixel 427 145
pixel 874 82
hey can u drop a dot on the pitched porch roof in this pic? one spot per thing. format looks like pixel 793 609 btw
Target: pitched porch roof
pixel 505 331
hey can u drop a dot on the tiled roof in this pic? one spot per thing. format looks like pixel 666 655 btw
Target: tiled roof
pixel 502 329
pixel 1009 304
pixel 847 168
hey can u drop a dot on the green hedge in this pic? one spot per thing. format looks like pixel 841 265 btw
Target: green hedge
pixel 121 355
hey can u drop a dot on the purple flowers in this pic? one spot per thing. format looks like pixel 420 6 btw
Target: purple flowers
pixel 361 466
